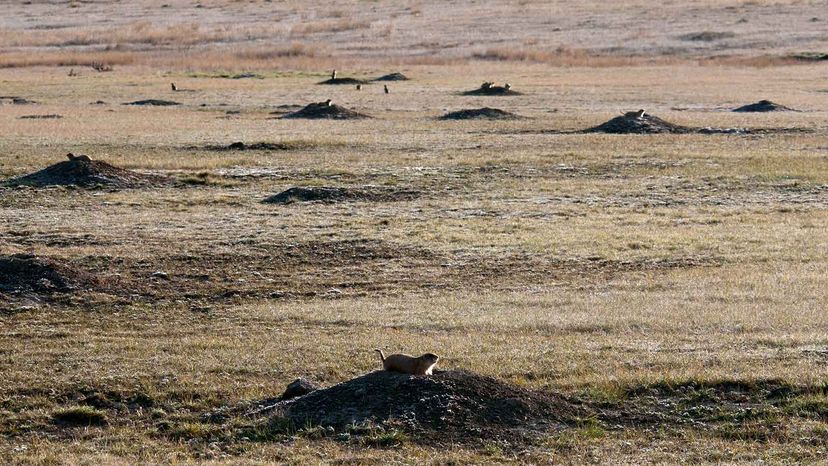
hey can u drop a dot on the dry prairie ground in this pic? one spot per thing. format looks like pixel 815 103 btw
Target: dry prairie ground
pixel 671 286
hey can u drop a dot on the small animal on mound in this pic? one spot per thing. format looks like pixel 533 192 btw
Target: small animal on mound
pixel 406 364
pixel 486 85
pixel 507 86
pixel 386 88
pixel 172 85
pixel 82 158
pixel 637 115
pixel 333 75
pixel 359 87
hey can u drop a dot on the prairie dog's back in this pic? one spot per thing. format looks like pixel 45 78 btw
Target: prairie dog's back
pixel 408 364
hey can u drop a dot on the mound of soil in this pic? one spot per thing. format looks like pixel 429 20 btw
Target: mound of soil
pixel 393 77
pixel 763 106
pixel 486 113
pixel 28 273
pixel 15 100
pixel 321 110
pixel 338 194
pixel 254 146
pixel 87 173
pixel 452 406
pixel 51 116
pixel 707 36
pixel 647 124
pixel 343 81
pixel 493 90
pixel 154 102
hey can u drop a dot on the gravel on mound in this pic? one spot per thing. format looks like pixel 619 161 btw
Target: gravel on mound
pixel 494 90
pixel 343 81
pixel 154 102
pixel 87 173
pixel 480 113
pixel 451 406
pixel 339 194
pixel 29 273
pixel 321 110
pixel 763 106
pixel 393 77
pixel 647 124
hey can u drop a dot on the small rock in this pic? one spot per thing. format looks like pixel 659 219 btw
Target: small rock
pixel 297 388
pixel 161 275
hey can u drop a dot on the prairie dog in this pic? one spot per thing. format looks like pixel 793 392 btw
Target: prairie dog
pixel 637 115
pixel 406 364
pixel 385 87
pixel 172 85
pixel 333 75
pixel 328 102
pixel 84 158
pixel 507 86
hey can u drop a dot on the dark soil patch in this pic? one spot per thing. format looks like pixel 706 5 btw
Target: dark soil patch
pixel 240 146
pixel 647 124
pixel 336 81
pixel 11 99
pixel 493 90
pixel 23 273
pixel 87 173
pixel 763 106
pixel 154 102
pixel 340 194
pixel 51 116
pixel 707 36
pixel 451 406
pixel 393 77
pixel 285 108
pixel 485 113
pixel 321 110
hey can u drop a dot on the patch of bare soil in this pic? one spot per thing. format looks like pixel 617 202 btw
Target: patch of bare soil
pixel 51 116
pixel 285 108
pixel 80 171
pixel 241 146
pixel 393 77
pixel 336 81
pixel 450 406
pixel 707 36
pixel 326 110
pixel 154 102
pixel 15 100
pixel 485 113
pixel 763 106
pixel 340 194
pixel 631 123
pixel 492 90
pixel 24 273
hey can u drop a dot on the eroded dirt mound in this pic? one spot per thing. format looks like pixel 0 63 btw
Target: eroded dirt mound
pixel 763 106
pixel 81 171
pixel 343 81
pixel 339 194
pixel 448 406
pixel 51 116
pixel 632 124
pixel 153 102
pixel 15 100
pixel 322 110
pixel 29 273
pixel 485 113
pixel 393 77
pixel 492 90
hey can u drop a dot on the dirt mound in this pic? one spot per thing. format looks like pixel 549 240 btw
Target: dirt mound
pixel 452 406
pixel 763 106
pixel 326 110
pixel 28 273
pixel 393 77
pixel 343 81
pixel 492 90
pixel 486 113
pixel 15 100
pixel 80 171
pixel 630 123
pixel 154 102
pixel 340 194
pixel 51 116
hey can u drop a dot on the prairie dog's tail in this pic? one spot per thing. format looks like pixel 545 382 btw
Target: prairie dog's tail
pixel 382 355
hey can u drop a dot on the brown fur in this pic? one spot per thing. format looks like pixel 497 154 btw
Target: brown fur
pixel 406 364
pixel 72 156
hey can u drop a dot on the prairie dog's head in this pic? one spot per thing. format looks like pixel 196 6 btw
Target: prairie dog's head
pixel 431 358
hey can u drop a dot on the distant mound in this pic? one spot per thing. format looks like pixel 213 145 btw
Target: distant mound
pixel 484 113
pixel 81 171
pixel 20 273
pixel 336 81
pixel 51 116
pixel 630 123
pixel 340 194
pixel 153 102
pixel 392 77
pixel 15 100
pixel 492 90
pixel 763 106
pixel 452 406
pixel 323 110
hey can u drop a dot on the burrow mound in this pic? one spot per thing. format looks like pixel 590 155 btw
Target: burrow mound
pixel 633 124
pixel 485 113
pixel 20 273
pixel 50 116
pixel 763 106
pixel 343 81
pixel 15 100
pixel 393 77
pixel 80 171
pixel 323 110
pixel 492 90
pixel 451 406
pixel 328 194
pixel 154 102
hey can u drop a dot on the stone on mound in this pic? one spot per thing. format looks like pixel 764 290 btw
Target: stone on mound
pixel 393 77
pixel 763 106
pixel 29 273
pixel 153 102
pixel 324 110
pixel 485 113
pixel 629 123
pixel 452 406
pixel 340 194
pixel 343 81
pixel 81 171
